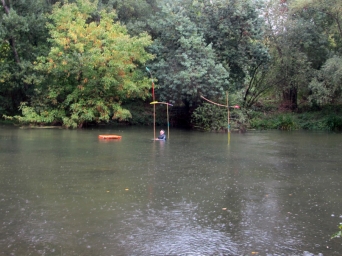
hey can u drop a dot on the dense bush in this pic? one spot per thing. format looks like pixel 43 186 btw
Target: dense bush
pixel 326 118
pixel 142 113
pixel 209 117
pixel 276 121
pixel 286 122
pixel 334 123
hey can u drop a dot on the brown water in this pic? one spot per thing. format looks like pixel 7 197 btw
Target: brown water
pixel 65 192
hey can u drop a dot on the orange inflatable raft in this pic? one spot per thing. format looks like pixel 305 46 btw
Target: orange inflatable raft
pixel 110 137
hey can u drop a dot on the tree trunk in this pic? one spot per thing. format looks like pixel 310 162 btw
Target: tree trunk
pixel 11 39
pixel 289 99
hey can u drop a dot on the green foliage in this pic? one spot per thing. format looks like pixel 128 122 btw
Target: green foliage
pixel 258 84
pixel 4 52
pixel 91 68
pixel 259 124
pixel 334 122
pixel 135 15
pixel 298 48
pixel 326 15
pixel 235 29
pixel 185 66
pixel 209 117
pixel 5 76
pixel 290 71
pixel 286 122
pixel 326 87
pixel 312 121
pixel 22 38
pixel 204 48
pixel 31 116
pixel 328 118
pixel 141 111
pixel 338 234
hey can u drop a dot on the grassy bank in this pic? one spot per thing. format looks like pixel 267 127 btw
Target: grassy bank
pixel 6 122
pixel 328 118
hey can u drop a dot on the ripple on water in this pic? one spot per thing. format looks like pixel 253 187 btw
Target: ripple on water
pixel 173 231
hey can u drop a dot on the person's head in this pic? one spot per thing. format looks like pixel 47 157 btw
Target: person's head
pixel 162 132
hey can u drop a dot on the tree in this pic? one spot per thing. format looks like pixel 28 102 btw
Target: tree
pixel 186 66
pixel 326 16
pixel 297 49
pixel 91 67
pixel 327 85
pixel 232 29
pixel 135 15
pixel 258 83
pixel 22 38
pixel 235 29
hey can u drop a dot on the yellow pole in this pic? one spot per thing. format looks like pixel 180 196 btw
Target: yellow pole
pixel 228 128
pixel 154 113
pixel 168 118
pixel 154 106
pixel 154 121
pixel 168 123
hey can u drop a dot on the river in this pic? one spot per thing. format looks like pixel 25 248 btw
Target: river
pixel 66 192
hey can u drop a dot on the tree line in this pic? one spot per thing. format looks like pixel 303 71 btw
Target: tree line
pixel 78 62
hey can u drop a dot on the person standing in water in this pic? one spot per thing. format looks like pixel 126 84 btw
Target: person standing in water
pixel 162 135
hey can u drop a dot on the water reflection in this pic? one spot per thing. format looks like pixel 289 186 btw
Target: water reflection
pixel 65 192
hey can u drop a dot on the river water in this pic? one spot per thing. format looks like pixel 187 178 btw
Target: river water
pixel 65 192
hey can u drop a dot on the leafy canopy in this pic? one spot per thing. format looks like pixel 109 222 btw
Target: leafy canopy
pixel 91 68
pixel 186 66
pixel 206 48
pixel 22 38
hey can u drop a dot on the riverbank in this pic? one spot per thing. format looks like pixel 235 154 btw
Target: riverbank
pixel 328 118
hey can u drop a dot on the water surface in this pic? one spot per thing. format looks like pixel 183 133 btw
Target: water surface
pixel 65 192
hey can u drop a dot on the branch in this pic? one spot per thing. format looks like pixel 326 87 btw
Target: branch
pixel 5 6
pixel 213 102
